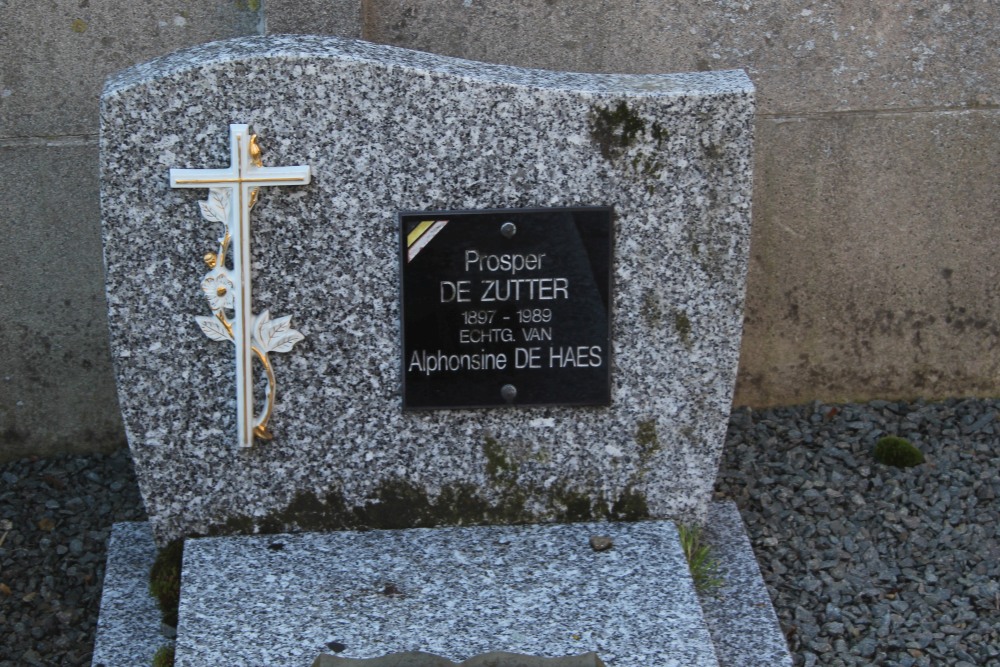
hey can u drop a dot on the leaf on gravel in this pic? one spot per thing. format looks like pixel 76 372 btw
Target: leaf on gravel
pixel 46 524
pixel 5 589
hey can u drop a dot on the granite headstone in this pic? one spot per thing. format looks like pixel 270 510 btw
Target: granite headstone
pixel 387 131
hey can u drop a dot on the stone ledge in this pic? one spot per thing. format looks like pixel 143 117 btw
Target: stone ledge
pixel 739 619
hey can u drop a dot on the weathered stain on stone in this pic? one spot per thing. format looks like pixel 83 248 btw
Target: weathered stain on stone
pixel 630 506
pixel 399 504
pixel 615 129
pixel 574 506
pixel 649 443
pixel 650 309
pixel 498 464
pixel 683 325
pixel 645 435
pixel 659 133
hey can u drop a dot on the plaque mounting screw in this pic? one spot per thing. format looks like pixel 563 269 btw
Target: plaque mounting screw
pixel 508 229
pixel 508 391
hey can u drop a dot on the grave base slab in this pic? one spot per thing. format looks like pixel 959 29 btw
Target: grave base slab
pixel 539 589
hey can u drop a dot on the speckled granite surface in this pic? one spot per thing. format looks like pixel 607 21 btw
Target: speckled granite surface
pixel 128 627
pixel 386 130
pixel 740 618
pixel 453 592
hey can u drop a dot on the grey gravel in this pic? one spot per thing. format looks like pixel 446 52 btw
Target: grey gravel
pixel 866 564
pixel 55 519
pixel 870 564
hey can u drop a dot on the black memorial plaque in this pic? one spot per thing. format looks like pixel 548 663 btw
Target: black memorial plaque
pixel 506 307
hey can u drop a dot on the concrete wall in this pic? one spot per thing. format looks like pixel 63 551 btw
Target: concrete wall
pixel 876 198
pixel 876 195
pixel 57 392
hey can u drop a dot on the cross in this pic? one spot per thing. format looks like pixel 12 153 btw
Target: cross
pixel 244 175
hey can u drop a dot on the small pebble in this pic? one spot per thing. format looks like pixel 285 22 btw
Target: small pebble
pixel 601 542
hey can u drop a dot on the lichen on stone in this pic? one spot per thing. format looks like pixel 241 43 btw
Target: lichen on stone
pixel 683 325
pixel 650 309
pixel 615 129
pixel 630 506
pixel 645 435
pixel 498 464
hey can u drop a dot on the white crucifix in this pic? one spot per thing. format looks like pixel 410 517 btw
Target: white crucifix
pixel 229 289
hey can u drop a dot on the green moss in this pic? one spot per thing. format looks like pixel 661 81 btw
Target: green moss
pixel 243 525
pixel 164 657
pixel 79 26
pixel 577 508
pixel 649 444
pixel 646 166
pixel 397 504
pixel 461 505
pixel 601 510
pixel 511 509
pixel 660 133
pixel 615 129
pixel 571 506
pixel 540 456
pixel 165 580
pixel 703 566
pixel 498 465
pixel 683 326
pixel 311 514
pixel 401 504
pixel 645 435
pixel 306 511
pixel 630 506
pixel 898 452
pixel 650 310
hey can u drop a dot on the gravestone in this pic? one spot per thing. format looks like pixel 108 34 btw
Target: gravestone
pixel 393 137
pixel 500 296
